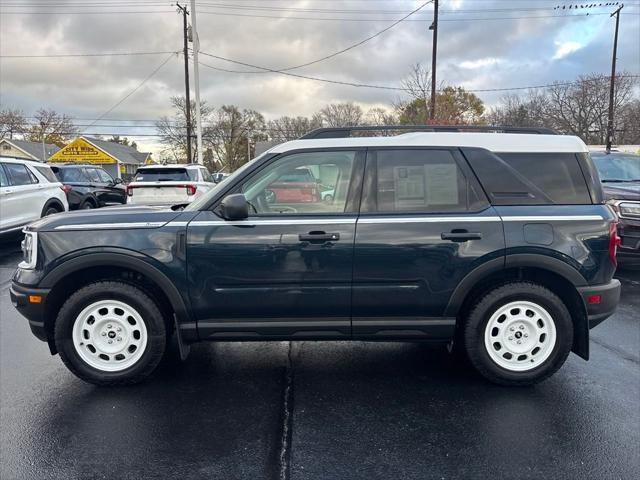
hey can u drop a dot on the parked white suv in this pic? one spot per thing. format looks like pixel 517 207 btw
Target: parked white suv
pixel 28 191
pixel 168 184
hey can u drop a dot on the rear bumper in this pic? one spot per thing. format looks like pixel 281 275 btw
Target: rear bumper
pixel 609 296
pixel 33 312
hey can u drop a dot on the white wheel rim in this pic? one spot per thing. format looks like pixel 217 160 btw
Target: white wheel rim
pixel 520 336
pixel 109 335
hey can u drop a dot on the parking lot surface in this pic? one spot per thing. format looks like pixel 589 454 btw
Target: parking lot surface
pixel 320 410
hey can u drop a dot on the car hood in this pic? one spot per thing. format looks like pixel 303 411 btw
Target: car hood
pixel 127 216
pixel 621 191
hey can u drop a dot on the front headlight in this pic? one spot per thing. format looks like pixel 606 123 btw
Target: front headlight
pixel 629 209
pixel 29 251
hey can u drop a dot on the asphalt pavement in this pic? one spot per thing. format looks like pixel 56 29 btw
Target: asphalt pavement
pixel 320 410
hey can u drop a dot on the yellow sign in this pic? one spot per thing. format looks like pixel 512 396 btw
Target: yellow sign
pixel 82 151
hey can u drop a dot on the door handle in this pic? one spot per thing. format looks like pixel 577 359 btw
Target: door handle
pixel 319 237
pixel 460 235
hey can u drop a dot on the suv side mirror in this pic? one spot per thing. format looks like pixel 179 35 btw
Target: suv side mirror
pixel 117 181
pixel 234 207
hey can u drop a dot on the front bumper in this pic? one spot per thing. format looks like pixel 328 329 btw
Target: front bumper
pixel 23 299
pixel 609 296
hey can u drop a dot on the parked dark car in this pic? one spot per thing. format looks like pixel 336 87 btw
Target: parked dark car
pixel 620 176
pixel 499 244
pixel 89 186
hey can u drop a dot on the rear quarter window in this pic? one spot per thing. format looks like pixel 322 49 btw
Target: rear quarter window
pixel 530 178
pixel 47 173
pixel 73 174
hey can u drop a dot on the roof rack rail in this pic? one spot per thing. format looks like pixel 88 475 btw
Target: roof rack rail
pixel 345 132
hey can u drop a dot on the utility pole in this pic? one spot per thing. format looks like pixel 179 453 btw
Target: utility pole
pixel 196 81
pixel 434 27
pixel 186 79
pixel 613 81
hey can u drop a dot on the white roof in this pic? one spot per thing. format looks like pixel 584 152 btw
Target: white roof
pixel 495 142
pixel 23 160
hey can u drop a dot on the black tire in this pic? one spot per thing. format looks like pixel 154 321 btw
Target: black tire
pixel 52 208
pixel 125 293
pixel 87 205
pixel 480 314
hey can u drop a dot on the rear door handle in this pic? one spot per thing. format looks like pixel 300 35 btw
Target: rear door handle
pixel 460 236
pixel 319 237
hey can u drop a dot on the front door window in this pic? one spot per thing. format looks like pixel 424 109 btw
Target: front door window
pixel 304 183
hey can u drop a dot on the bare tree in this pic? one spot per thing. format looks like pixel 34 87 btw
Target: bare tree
pixel 232 134
pixel 289 128
pixel 346 114
pixel 517 111
pixel 628 123
pixel 52 127
pixel 12 122
pixel 173 130
pixel 380 116
pixel 418 85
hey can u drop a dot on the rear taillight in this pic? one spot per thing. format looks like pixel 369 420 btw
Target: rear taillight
pixel 66 188
pixel 130 190
pixel 614 242
pixel 191 189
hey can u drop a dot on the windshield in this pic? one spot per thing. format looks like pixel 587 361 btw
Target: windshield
pixel 165 175
pixel 204 199
pixel 618 167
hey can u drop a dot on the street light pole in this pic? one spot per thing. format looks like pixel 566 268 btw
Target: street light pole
pixel 612 81
pixel 186 79
pixel 196 81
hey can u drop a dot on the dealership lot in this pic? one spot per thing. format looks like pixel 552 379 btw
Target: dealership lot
pixel 321 410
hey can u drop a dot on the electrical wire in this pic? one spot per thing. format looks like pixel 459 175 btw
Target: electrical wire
pixel 103 54
pixel 119 102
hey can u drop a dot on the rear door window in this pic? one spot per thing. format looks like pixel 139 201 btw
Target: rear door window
pixel 421 181
pixel 530 178
pixel 19 174
pixel 47 173
pixel 162 175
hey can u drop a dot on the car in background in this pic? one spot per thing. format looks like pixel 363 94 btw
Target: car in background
pixel 28 191
pixel 620 177
pixel 220 176
pixel 297 186
pixel 169 184
pixel 89 186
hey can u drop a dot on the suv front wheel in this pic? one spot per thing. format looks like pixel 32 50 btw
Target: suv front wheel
pixel 110 333
pixel 518 334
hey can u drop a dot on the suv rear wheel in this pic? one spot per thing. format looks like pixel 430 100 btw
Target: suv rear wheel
pixel 110 333
pixel 518 334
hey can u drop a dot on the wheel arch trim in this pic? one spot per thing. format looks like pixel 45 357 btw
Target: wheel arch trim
pixel 125 260
pixel 540 262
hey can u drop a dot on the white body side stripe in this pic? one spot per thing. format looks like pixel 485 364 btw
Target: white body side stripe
pixel 551 218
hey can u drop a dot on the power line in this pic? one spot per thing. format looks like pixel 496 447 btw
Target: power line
pixel 364 85
pixel 103 54
pixel 351 47
pixel 119 102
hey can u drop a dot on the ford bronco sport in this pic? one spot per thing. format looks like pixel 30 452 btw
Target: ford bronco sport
pixel 498 242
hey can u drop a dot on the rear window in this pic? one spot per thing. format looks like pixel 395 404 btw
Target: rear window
pixel 47 173
pixel 302 175
pixel 70 174
pixel 530 178
pixel 165 175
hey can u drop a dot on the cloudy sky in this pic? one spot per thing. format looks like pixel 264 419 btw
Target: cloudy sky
pixel 483 44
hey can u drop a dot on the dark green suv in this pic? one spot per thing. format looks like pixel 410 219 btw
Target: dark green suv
pixel 497 243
